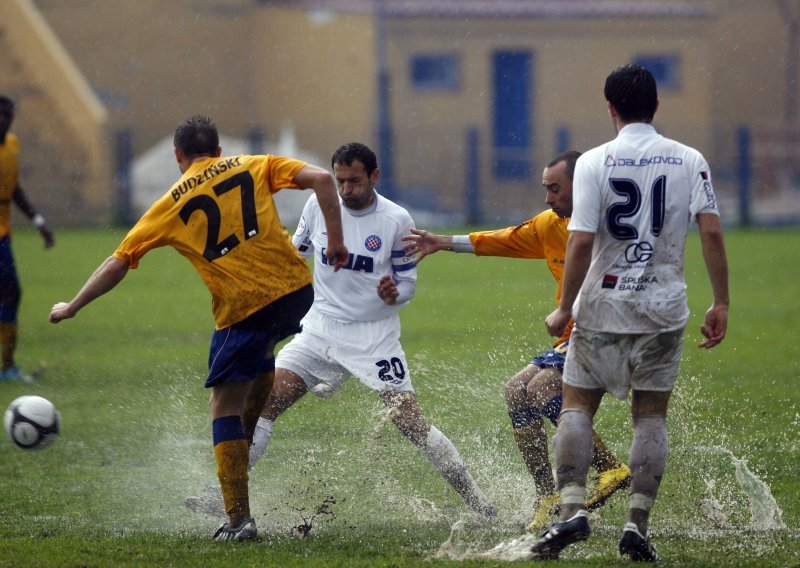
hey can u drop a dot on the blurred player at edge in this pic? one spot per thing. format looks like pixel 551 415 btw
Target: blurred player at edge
pixel 10 291
pixel 221 216
pixel 535 392
pixel 634 198
pixel 353 328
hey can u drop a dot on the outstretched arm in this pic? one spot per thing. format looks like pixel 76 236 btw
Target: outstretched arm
pixel 324 186
pixel 716 260
pixel 422 243
pixel 25 206
pixel 107 275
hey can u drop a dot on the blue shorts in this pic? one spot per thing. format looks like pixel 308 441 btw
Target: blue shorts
pixel 9 283
pixel 242 351
pixel 554 357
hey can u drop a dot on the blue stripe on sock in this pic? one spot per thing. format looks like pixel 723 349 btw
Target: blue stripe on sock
pixel 226 428
pixel 524 418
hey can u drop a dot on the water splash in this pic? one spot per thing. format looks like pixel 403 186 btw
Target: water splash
pixel 765 514
pixel 454 548
pixel 711 507
pixel 511 550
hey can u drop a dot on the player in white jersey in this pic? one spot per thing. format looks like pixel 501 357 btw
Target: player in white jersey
pixel 633 199
pixel 353 328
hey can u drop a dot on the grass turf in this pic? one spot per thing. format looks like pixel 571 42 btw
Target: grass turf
pixel 127 376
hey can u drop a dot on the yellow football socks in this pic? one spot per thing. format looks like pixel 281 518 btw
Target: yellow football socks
pixel 532 443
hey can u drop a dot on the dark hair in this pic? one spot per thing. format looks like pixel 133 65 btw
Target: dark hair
pixel 352 151
pixel 197 136
pixel 8 103
pixel 568 156
pixel 632 90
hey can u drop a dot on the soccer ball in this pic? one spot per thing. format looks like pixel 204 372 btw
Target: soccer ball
pixel 32 422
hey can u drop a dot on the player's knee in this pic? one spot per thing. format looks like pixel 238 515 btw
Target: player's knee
pixel 515 395
pixel 543 387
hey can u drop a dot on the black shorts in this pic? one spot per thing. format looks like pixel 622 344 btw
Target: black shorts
pixel 242 351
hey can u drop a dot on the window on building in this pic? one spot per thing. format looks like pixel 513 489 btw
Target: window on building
pixel 440 71
pixel 512 136
pixel 665 68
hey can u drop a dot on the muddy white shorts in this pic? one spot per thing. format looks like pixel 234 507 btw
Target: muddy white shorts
pixel 328 352
pixel 618 363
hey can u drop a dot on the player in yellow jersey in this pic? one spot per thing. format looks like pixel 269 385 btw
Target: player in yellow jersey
pixel 535 392
pixel 221 216
pixel 10 291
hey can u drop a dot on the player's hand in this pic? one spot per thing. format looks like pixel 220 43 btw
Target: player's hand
pixel 422 243
pixel 61 311
pixel 47 235
pixel 715 326
pixel 338 255
pixel 387 290
pixel 557 321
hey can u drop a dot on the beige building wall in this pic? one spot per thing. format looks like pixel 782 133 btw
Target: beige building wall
pixel 316 74
pixel 310 65
pixel 749 66
pixel 60 122
pixel 155 63
pixel 571 60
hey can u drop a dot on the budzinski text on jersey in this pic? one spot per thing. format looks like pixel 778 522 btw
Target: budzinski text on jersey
pixel 214 170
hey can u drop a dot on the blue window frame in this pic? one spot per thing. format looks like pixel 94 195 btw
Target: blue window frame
pixel 512 137
pixel 666 70
pixel 436 71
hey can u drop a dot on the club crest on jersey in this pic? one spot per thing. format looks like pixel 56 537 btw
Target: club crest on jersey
pixel 373 243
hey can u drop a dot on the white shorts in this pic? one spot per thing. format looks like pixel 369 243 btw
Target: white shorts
pixel 618 363
pixel 328 352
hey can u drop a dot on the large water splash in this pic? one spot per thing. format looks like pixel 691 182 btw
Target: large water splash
pixel 765 514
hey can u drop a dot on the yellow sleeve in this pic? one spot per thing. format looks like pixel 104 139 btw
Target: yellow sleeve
pixel 522 241
pixel 146 234
pixel 282 171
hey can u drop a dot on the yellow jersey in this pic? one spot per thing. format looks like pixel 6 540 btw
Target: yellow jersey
pixel 543 237
pixel 9 180
pixel 221 216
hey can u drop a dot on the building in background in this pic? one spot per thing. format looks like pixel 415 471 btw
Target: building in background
pixel 464 99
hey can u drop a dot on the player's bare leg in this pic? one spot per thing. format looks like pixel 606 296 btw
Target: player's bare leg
pixel 257 397
pixel 287 389
pixel 537 395
pixel 526 394
pixel 405 412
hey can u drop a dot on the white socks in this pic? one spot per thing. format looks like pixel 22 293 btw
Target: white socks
pixel 261 438
pixel 444 456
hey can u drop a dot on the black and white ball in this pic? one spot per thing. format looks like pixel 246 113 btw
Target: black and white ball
pixel 32 422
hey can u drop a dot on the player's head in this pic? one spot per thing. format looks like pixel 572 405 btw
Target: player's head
pixel 348 153
pixel 355 168
pixel 197 136
pixel 557 182
pixel 6 116
pixel 631 89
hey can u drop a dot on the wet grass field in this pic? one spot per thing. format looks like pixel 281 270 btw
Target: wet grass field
pixel 127 377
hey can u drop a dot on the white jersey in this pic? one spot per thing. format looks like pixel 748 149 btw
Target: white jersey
pixel 637 194
pixel 373 238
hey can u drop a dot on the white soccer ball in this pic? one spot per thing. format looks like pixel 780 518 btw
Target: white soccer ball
pixel 32 422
